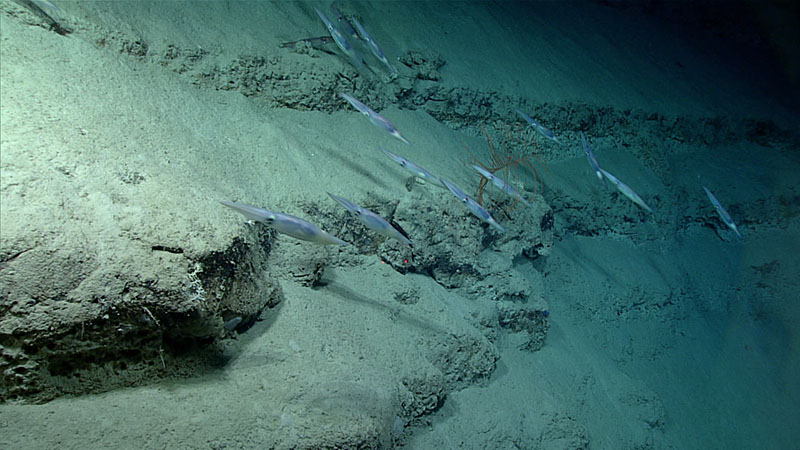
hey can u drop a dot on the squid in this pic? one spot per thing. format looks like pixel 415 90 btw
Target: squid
pixel 502 184
pixel 473 206
pixel 546 132
pixel 592 159
pixel 372 221
pixel 286 224
pixel 376 119
pixel 418 171
pixel 722 212
pixel 373 46
pixel 627 191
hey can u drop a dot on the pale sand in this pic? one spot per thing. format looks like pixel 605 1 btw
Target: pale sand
pixel 659 338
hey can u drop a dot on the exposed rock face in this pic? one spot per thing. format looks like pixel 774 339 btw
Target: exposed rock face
pixel 75 311
pixel 125 279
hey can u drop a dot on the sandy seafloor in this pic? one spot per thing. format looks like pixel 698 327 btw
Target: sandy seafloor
pixel 665 331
